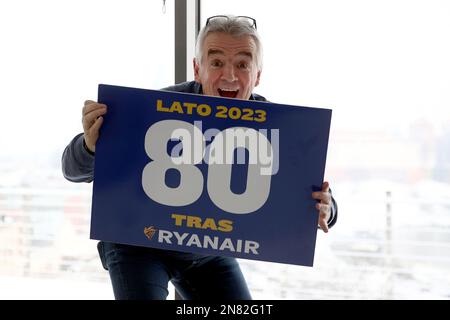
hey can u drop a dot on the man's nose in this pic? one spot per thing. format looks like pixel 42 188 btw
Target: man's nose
pixel 229 73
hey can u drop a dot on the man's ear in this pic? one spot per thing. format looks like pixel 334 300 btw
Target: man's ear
pixel 196 70
pixel 258 76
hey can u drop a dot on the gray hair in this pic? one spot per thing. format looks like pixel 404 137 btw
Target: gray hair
pixel 234 26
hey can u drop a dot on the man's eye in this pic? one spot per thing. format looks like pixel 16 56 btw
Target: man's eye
pixel 216 63
pixel 243 65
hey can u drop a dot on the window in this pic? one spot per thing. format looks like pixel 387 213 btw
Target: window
pixel 383 67
pixel 54 54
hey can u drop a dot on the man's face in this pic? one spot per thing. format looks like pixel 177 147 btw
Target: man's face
pixel 228 67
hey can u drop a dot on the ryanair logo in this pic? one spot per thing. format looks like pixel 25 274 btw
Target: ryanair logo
pixel 167 238
pixel 149 232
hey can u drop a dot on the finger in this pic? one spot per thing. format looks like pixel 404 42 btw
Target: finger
pixel 86 104
pixel 323 218
pixel 326 186
pixel 94 130
pixel 322 207
pixel 324 197
pixel 323 225
pixel 92 106
pixel 324 212
pixel 93 134
pixel 91 117
pixel 94 114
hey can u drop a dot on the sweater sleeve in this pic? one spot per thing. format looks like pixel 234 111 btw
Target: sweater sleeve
pixel 334 213
pixel 77 162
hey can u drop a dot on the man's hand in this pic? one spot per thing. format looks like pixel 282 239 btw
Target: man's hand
pixel 324 206
pixel 92 121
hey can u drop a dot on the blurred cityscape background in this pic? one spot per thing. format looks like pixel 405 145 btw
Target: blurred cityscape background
pixel 382 66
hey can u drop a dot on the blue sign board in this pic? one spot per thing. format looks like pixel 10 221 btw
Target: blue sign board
pixel 209 175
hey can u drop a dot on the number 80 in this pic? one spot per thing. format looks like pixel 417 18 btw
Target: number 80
pixel 191 178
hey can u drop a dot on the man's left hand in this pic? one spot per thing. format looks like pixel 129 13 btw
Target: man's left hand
pixel 324 206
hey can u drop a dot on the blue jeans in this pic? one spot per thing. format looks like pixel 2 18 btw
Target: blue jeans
pixel 140 273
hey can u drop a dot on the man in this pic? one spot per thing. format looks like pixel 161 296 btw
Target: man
pixel 228 63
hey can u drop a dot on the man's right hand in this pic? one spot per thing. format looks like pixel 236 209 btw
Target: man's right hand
pixel 92 121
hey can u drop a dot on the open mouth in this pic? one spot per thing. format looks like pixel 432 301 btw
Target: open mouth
pixel 228 93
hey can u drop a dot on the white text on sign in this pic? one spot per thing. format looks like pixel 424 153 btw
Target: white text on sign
pixel 190 187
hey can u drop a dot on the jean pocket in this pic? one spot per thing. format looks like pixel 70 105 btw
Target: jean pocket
pixel 101 253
